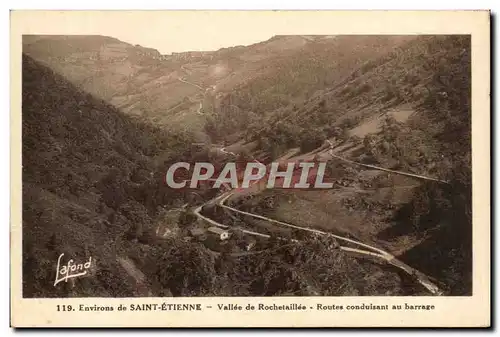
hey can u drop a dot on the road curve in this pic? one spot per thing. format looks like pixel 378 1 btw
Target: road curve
pixel 372 251
pixel 375 252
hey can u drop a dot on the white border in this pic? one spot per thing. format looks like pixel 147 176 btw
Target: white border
pixel 217 4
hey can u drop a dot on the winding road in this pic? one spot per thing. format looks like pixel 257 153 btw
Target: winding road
pixel 368 249
pixel 190 83
pixel 382 168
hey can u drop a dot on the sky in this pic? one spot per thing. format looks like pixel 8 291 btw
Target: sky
pixel 185 31
pixel 174 31
pixel 179 31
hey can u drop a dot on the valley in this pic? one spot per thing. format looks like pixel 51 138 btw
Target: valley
pixel 389 115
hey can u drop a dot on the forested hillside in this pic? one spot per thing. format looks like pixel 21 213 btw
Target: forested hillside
pixel 90 181
pixel 92 186
pixel 430 76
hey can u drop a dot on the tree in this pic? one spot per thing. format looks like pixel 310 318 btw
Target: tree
pixel 311 139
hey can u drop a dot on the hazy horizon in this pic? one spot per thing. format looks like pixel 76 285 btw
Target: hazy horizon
pixel 165 51
pixel 175 32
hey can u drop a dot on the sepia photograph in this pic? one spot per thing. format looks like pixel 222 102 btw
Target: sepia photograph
pixel 248 164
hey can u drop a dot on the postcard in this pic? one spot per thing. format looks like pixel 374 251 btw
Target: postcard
pixel 250 169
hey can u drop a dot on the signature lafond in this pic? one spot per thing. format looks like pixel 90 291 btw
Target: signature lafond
pixel 71 269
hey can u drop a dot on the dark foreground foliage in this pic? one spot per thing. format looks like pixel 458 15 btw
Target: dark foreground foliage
pixel 91 182
pixel 438 142
pixel 92 186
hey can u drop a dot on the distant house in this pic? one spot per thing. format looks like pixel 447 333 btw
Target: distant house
pixel 198 233
pixel 167 229
pixel 166 232
pixel 219 232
